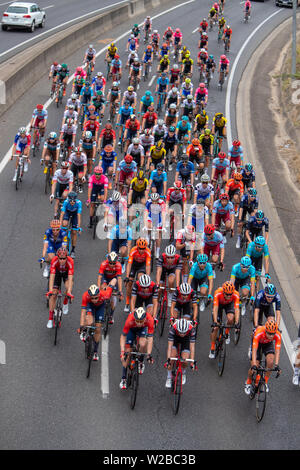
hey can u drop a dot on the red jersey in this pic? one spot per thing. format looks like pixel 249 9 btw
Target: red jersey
pixel 60 268
pixel 145 293
pixel 132 125
pixel 108 134
pixel 150 117
pixel 261 338
pixel 191 150
pixel 109 270
pixel 91 126
pixel 176 196
pixel 140 256
pixel 232 186
pixel 131 323
pixel 104 294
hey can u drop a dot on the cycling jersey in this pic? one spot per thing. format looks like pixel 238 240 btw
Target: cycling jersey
pixel 217 239
pixel 69 130
pixel 184 299
pixel 117 234
pixel 157 154
pixel 256 228
pixel 145 293
pixel 102 181
pixel 262 303
pixel 40 115
pixel 218 208
pixel 87 144
pixel 219 122
pixel 185 170
pixel 73 208
pixel 198 213
pixel 131 324
pixel 219 298
pixel 202 274
pixel 52 146
pixel 174 195
pixel 247 204
pixel 139 187
pixel 236 153
pixel 155 212
pixel 231 185
pixel 260 337
pixel 22 142
pixel 76 160
pixel 183 129
pixel 157 178
pixel 127 168
pixel 110 271
pixel 169 264
pixel 63 178
pixel 253 253
pixel 237 273
pixel 140 256
pixel 162 84
pixel 62 268
pixel 203 192
pixel 55 243
pixel 108 158
pixel 248 178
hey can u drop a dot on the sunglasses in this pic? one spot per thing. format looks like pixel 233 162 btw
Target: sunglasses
pixel 95 298
pixel 61 259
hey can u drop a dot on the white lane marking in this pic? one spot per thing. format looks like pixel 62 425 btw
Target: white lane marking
pixel 60 25
pixel 195 30
pixel 50 6
pixel 5 160
pixel 5 3
pixel 152 80
pixel 285 336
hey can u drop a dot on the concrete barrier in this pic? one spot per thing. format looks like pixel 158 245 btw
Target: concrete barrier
pixel 19 72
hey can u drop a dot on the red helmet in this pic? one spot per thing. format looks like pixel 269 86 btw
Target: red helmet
pixel 39 107
pixel 224 196
pixel 222 155
pixel 178 184
pixel 209 229
pixel 55 64
pixel 223 57
pixel 128 158
pixel 117 56
pixel 62 252
pixel 98 170
pixel 236 143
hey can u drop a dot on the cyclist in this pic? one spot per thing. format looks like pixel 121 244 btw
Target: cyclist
pixel 93 126
pixel 135 72
pixel 202 276
pixel 97 191
pixel 176 195
pixel 213 244
pixel 243 276
pixel 267 300
pixel 257 251
pixel 136 31
pixel 50 154
pixel 203 25
pixel 177 41
pixel 99 101
pixel 248 205
pixel 75 101
pixel 107 137
pixel 55 237
pixel 120 240
pixel 139 262
pixel 144 294
pixel 132 43
pixel 223 211
pixel 181 335
pixel 184 304
pixel 147 59
pixel 195 154
pixel 62 183
pixel 222 23
pixel 38 122
pixel 70 113
pixel 114 97
pixel 186 88
pixel 263 343
pixel 147 101
pixel 201 122
pixel 116 68
pixel 99 83
pixel 149 119
pixel 111 52
pixel 116 209
pixel 61 269
pixel 155 36
pixel 204 191
pixel 62 76
pixel 138 324
pixel 255 226
pixel 132 127
pixel 168 36
pixel 126 171
pixel 162 85
pixel 136 150
pixel 21 146
pixel 93 305
pixel 226 299
pixel 68 135
pixel 296 374
pixel 71 214
pixel 227 33
pixel 90 56
pixel 111 269
pixel 138 188
pixel 211 65
pixel 168 270
pixel 185 172
pixel 187 66
pixel 212 15
pixel 185 244
pixel 248 175
pixel 173 97
pixel 164 64
pixel 236 154
pixel 86 95
pixel 189 106
pixel 235 190
pixel 198 217
pixel 170 144
pixel 147 141
pixel 219 128
pixel 54 69
pixel 88 145
pixel 159 131
pixel 203 41
pixel 78 162
pixel 157 155
pixel 223 67
pixel 154 219
pixel 184 128
pixel 247 7
pixel 108 161
pixel 158 180
pixel 202 59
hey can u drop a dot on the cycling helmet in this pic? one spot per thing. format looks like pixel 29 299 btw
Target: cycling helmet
pixel 132 117
pixel 205 178
pixel 140 175
pixel 237 176
pixel 187 80
pixel 201 85
pixel 222 155
pixel 177 184
pixel 175 66
pixel 147 131
pixel 55 64
pixel 260 241
pixel 39 107
pixel 184 118
pixel 224 197
pixel 209 229
pixel 64 66
pixel 207 131
pixel 159 144
pixel 130 88
pixel 246 262
pixel 182 326
pixel 55 224
pixel 22 130
pixel 228 288
pixel 211 56
pixel 172 129
pixel 174 89
pixel 196 142
pixel 170 250
pixel 71 106
pixel 260 215
pixel 136 141
pixel 160 166
pixel 151 110
pixel 112 257
pixel 147 93
pixel 270 290
pixel 74 96
pixel 108 148
pixel 128 158
pixel 72 196
pixel 116 196
pixel 252 192
pixel 202 259
pixel 185 288
pixel 93 290
pixel 52 135
pixel 141 243
pixel 236 143
pixel 248 167
pixel 98 170
pixel 145 281
pixel 62 252
pixel 160 122
pixel 172 106
pixel 139 314
pixel 185 157
pixel 65 165
pixel 271 326
pixel 154 197
pixel 223 57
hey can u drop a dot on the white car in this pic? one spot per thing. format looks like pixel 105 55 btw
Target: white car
pixel 23 15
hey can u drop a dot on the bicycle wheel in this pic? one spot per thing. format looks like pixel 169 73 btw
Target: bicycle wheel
pixel 47 179
pixel 89 349
pixel 221 356
pixel 95 223
pixel 152 249
pixel 107 315
pixel 237 333
pixel 261 399
pixel 134 385
pixel 18 179
pixel 163 313
pixel 57 320
pixel 177 387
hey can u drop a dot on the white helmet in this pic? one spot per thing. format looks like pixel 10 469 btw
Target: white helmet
pixel 116 196
pixel 145 280
pixel 185 288
pixel 139 314
pixel 170 250
pixel 182 325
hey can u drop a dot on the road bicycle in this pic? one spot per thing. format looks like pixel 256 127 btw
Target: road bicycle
pixel 20 170
pixel 220 352
pixel 163 308
pixel 133 372
pixel 221 80
pixel 259 389
pixel 36 141
pixel 58 313
pixel 95 218
pixel 59 91
pixel 114 108
pixel 246 16
pixel 160 101
pixel 152 244
pixel 226 44
pixel 147 71
pixel 48 175
pixel 87 334
pixel 177 379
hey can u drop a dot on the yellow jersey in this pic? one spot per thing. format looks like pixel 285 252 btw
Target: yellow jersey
pixel 157 154
pixel 139 187
pixel 206 138
pixel 112 51
pixel 220 122
pixel 201 119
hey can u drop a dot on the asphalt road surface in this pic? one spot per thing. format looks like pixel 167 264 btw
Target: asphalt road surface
pixel 46 401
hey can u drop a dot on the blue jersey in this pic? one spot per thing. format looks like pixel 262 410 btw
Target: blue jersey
pixel 108 159
pixel 217 239
pixel 254 227
pixel 127 168
pixel 147 101
pixel 236 272
pixel 158 178
pixel 236 152
pixel 248 178
pixel 147 56
pixel 43 114
pixel 198 273
pixel 55 244
pixel 123 111
pixel 262 303
pixel 155 211
pixel 116 234
pixel 220 164
pixel 253 253
pixel 72 208
pixel 219 209
pixel 162 84
pixel 183 128
pixel 117 63
pixel 87 91
pixel 185 170
pixel 246 203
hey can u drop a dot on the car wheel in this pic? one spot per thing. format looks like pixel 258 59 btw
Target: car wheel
pixel 42 24
pixel 4 27
pixel 32 27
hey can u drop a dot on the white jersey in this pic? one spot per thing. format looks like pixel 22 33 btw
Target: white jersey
pixel 173 95
pixel 198 212
pixel 130 96
pixel 146 141
pixel 132 150
pixel 91 52
pixel 54 68
pixel 63 178
pixel 69 130
pixel 78 160
pixel 188 104
pixel 77 103
pixel 204 191
pixel 71 115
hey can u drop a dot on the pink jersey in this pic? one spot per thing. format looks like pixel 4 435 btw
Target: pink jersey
pixel 224 62
pixel 200 91
pixel 80 75
pixel 98 182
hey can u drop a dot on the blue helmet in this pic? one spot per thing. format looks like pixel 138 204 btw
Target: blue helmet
pixel 211 56
pixel 270 289
pixel 260 241
pixel 72 196
pixel 246 261
pixel 202 259
pixel 252 192
pixel 248 167
pixel 260 215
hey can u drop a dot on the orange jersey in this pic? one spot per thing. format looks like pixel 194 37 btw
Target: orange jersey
pixel 261 338
pixel 140 256
pixel 232 186
pixel 219 298
pixel 191 150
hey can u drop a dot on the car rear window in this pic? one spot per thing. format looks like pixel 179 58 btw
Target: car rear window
pixel 17 10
